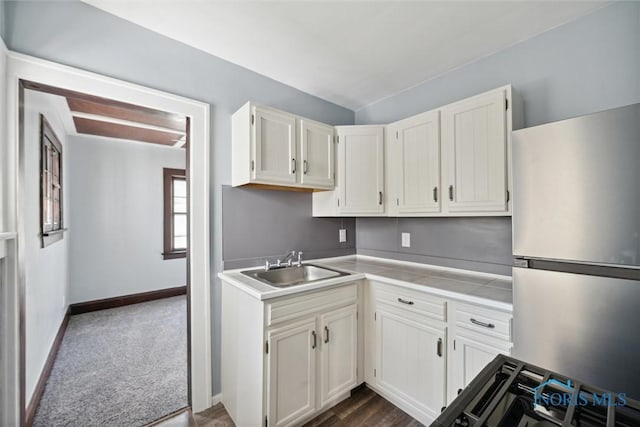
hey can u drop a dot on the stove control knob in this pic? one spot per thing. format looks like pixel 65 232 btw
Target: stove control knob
pixel 462 421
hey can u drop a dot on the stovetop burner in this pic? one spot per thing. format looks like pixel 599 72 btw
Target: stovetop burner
pixel 510 393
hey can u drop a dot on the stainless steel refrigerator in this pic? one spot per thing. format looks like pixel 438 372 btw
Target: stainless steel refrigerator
pixel 576 245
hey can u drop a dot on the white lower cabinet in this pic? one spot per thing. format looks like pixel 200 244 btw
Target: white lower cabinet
pixel 471 353
pixel 312 365
pixel 285 360
pixel 425 347
pixel 292 372
pixel 411 361
pixel 478 335
pixel 338 353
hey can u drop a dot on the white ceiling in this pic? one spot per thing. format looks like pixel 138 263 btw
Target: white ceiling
pixel 352 53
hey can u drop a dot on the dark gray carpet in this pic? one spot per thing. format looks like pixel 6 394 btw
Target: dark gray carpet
pixel 125 366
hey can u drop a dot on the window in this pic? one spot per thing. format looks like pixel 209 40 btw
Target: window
pixel 51 218
pixel 175 213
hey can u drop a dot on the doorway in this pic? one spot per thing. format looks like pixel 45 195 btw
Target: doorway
pixel 105 265
pixel 26 70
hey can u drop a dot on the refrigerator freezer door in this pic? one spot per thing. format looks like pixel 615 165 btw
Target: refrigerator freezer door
pixel 577 189
pixel 585 327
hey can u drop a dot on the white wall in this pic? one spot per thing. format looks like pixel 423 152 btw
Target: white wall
pixel 46 269
pixel 116 218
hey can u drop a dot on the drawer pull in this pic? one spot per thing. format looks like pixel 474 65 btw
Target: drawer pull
pixel 313 334
pixel 326 335
pixel 484 325
pixel 404 301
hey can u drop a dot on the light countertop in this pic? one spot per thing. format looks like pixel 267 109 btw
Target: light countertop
pixel 480 288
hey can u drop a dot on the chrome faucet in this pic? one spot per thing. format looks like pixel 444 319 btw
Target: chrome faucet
pixel 288 258
pixel 287 261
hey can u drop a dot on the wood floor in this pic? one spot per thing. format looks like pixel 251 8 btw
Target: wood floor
pixel 364 408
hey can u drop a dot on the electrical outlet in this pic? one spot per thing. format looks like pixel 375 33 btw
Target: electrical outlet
pixel 342 235
pixel 406 240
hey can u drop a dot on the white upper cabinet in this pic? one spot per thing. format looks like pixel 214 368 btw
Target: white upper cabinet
pixel 317 154
pixel 361 170
pixel 475 141
pixel 413 147
pixel 274 145
pixel 276 148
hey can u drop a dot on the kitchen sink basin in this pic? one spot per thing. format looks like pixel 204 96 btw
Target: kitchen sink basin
pixel 283 277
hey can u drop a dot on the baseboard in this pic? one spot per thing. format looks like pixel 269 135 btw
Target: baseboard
pixel 30 411
pixel 217 398
pixel 103 304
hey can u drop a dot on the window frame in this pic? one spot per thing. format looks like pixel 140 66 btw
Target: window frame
pixel 50 232
pixel 169 175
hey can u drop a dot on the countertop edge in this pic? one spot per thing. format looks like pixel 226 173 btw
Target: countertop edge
pixel 229 277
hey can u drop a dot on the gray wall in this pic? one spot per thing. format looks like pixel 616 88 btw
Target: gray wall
pixel 116 218
pixel 588 65
pixel 2 22
pixel 46 269
pixel 275 222
pixel 97 41
pixel 481 244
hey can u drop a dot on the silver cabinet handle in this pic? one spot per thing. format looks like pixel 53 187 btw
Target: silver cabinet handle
pixel 435 194
pixel 379 197
pixel 315 338
pixel 451 193
pixel 326 335
pixel 404 301
pixel 484 325
pixel 439 347
pixel 305 167
pixel 293 165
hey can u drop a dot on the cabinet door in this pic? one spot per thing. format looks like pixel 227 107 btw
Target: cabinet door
pixel 469 356
pixel 474 138
pixel 292 372
pixel 274 147
pixel 411 361
pixel 361 170
pixel 339 353
pixel 317 153
pixel 416 170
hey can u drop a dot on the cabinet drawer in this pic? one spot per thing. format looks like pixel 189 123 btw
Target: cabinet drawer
pixel 294 307
pixel 484 320
pixel 410 300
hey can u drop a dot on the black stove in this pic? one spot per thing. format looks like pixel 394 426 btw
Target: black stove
pixel 512 393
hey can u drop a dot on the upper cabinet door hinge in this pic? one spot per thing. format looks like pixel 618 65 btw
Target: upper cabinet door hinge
pixel 506 104
pixel 266 347
pixel 253 119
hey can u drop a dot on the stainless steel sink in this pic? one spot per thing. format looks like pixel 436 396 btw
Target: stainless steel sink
pixel 291 276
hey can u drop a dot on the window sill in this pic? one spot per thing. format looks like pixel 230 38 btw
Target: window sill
pixel 54 232
pixel 174 255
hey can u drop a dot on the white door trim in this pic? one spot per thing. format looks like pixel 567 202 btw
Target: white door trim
pixel 23 67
